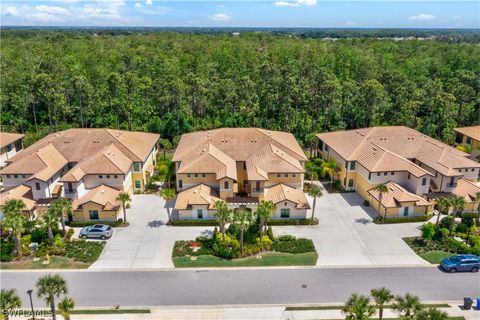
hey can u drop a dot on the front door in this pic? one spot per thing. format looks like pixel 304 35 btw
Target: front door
pixel 405 211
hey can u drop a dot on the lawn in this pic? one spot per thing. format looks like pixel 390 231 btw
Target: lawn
pixel 435 257
pixel 56 262
pixel 267 260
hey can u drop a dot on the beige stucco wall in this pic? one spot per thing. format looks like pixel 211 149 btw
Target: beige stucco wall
pixel 294 212
pixel 103 215
pixel 193 215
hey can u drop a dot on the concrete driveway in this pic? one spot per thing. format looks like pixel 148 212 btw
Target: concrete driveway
pixel 147 242
pixel 346 235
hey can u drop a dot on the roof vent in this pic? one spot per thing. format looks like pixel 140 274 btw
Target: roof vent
pixel 102 191
pixel 374 148
pixel 195 191
pixel 357 131
pixel 362 134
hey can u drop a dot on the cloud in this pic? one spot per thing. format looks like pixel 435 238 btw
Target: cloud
pixel 456 17
pixel 422 16
pixel 52 10
pixel 148 2
pixel 11 11
pixel 44 18
pixel 221 17
pixel 307 2
pixel 102 9
pixel 350 23
pixel 138 5
pixel 286 4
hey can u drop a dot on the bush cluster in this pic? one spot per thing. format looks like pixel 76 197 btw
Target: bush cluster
pixel 193 223
pixel 84 251
pixel 293 222
pixel 81 224
pixel 423 218
pixel 290 244
pixel 6 250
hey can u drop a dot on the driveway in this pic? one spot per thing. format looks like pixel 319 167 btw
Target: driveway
pixel 147 242
pixel 346 235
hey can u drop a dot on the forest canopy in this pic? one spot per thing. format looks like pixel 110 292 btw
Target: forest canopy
pixel 172 83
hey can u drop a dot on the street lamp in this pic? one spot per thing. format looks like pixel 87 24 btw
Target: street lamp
pixel 29 292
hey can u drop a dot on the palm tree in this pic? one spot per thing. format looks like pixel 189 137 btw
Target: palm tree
pixel 9 300
pixel 458 204
pixel 167 194
pixel 265 210
pixel 64 207
pixel 407 306
pixel 124 197
pixel 314 192
pixel 14 220
pixel 65 306
pixel 443 207
pixel 51 286
pixel 381 296
pixel 328 169
pixel 242 218
pixel 431 314
pixel 381 188
pixel 358 307
pixel 50 221
pixel 223 215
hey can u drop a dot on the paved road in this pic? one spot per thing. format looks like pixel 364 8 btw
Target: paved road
pixel 259 286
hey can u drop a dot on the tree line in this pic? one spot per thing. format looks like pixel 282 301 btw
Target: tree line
pixel 172 83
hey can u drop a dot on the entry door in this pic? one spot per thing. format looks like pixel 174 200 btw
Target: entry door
pixel 405 211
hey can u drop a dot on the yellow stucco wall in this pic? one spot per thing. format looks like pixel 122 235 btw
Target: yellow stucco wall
pixel 363 185
pixel 274 179
pixel 103 215
pixel 475 147
pixel 396 212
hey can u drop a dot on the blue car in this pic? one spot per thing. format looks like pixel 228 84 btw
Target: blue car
pixel 461 262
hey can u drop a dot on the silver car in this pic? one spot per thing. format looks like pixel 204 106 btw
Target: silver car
pixel 99 231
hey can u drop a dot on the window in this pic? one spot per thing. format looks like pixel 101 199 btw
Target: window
pixel 136 166
pixel 100 177
pixel 225 185
pixel 293 175
pixel 468 140
pixel 405 211
pixel 196 175
pixel 473 169
pixel 37 186
pixel 257 185
pixel 326 148
pixel 8 176
pixel 115 176
pixel 200 213
pixel 350 183
pixel 352 165
pixel 285 213
pixel 9 148
pixel 286 175
pixel 204 175
pixel 180 184
pixel 108 176
pixel 369 175
pixel 378 174
pixel 392 173
pixel 70 187
pixel 15 176
pixel 385 173
pixel 138 184
pixel 188 175
pixel 408 176
pixel 93 214
pixel 424 181
pixel 244 165
pixel 278 175
pixel 24 176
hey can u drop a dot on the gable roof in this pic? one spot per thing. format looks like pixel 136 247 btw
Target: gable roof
pixel 41 164
pixel 467 190
pixel 396 195
pixel 472 132
pixel 281 192
pixel 102 195
pixel 238 144
pixel 402 144
pixel 21 192
pixel 7 138
pixel 198 195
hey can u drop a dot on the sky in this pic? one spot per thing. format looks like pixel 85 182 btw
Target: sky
pixel 246 13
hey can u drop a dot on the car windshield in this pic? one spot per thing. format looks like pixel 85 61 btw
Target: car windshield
pixel 88 228
pixel 455 259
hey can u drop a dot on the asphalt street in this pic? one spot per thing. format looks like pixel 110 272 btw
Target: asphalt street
pixel 256 286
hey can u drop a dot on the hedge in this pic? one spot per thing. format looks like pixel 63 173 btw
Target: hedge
pixel 293 222
pixel 193 223
pixel 81 224
pixel 380 220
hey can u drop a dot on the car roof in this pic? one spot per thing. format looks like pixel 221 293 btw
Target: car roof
pixel 100 226
pixel 467 256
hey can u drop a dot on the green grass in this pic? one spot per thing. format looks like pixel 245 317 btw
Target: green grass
pixel 267 260
pixel 339 307
pixel 110 311
pixel 56 262
pixel 435 257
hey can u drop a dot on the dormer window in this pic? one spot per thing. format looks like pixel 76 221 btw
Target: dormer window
pixel 136 166
pixel 225 185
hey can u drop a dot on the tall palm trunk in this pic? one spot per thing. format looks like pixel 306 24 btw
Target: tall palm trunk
pixel 241 240
pixel 52 307
pixel 380 312
pixel 17 245
pixel 124 213
pixel 222 229
pixel 438 218
pixel 451 226
pixel 261 228
pixel 62 219
pixel 50 234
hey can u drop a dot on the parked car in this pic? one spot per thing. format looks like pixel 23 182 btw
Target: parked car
pixel 461 262
pixel 100 231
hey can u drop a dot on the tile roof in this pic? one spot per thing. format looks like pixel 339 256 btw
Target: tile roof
pixel 396 195
pixel 102 195
pixel 472 132
pixel 198 195
pixel 7 138
pixel 95 149
pixel 41 164
pixel 389 149
pixel 282 192
pixel 238 144
pixel 21 192
pixel 466 189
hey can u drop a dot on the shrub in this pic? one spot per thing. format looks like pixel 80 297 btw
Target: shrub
pixel 293 222
pixel 84 251
pixel 69 234
pixel 380 220
pixel 461 228
pixel 270 233
pixel 446 222
pixel 81 224
pixel 193 223
pixel 51 250
pixel 286 237
pixel 294 246
pixel 24 245
pixel 440 233
pixel 6 250
pixel 265 243
pixel 39 235
pixel 182 248
pixel 250 249
pixel 230 248
pixel 128 205
pixel 428 231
